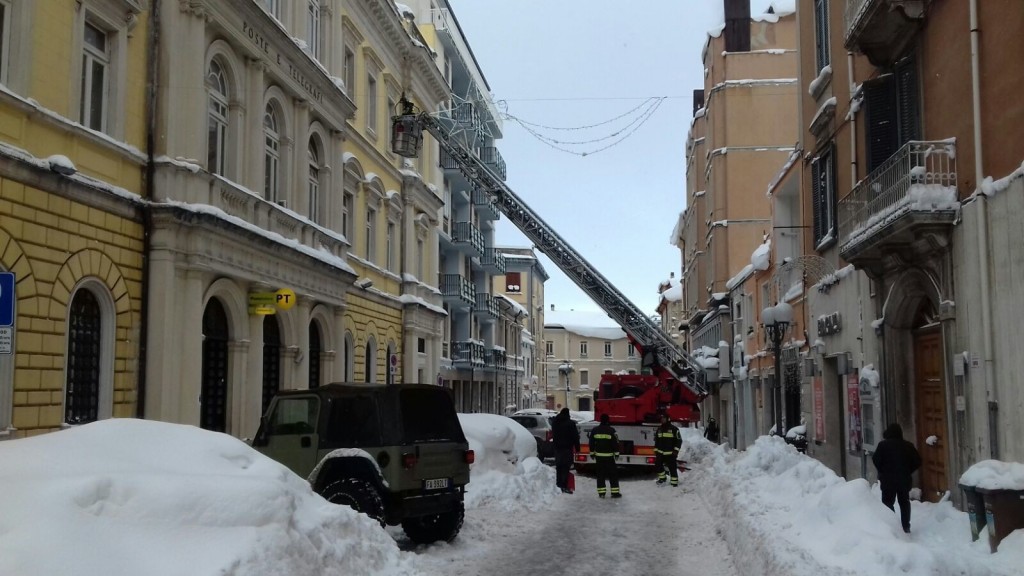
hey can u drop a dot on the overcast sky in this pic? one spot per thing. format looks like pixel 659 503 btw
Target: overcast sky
pixel 572 63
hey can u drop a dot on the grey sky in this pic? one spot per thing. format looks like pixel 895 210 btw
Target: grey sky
pixel 568 63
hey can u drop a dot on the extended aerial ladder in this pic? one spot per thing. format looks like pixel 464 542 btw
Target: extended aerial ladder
pixel 658 351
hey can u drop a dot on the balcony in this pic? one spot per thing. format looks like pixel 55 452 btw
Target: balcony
pixel 457 291
pixel 903 209
pixel 467 354
pixel 496 359
pixel 882 29
pixel 468 239
pixel 486 206
pixel 493 261
pixel 486 308
pixel 490 156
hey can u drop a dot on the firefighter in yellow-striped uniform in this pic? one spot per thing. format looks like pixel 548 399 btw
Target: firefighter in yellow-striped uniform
pixel 667 442
pixel 604 449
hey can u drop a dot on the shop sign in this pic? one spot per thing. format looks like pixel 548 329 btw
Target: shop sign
pixel 830 324
pixel 853 434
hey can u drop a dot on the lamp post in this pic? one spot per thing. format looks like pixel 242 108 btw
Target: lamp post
pixel 566 369
pixel 776 320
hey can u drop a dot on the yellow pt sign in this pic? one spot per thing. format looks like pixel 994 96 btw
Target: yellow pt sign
pixel 285 298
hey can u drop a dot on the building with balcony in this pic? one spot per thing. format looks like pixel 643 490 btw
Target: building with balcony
pixel 907 183
pixel 743 129
pixel 473 356
pixel 72 198
pixel 581 346
pixel 522 281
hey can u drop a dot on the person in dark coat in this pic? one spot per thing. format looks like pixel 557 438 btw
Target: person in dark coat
pixel 711 431
pixel 896 459
pixel 604 448
pixel 566 439
pixel 667 442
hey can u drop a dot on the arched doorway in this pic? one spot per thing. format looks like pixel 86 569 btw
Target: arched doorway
pixel 213 398
pixel 271 360
pixel 315 347
pixel 82 382
pixel 930 402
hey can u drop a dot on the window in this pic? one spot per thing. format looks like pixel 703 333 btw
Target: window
pixel 350 70
pixel 87 381
pixel 821 33
pixel 421 256
pixel 271 154
pixel 95 67
pixel 315 349
pixel 447 70
pixel 350 358
pixel 313 28
pixel 347 211
pixel 584 377
pixel 421 346
pixel 371 360
pixel 217 110
pixel 371 233
pixel 271 360
pixel 294 416
pixel 893 112
pixel 549 348
pixel 5 40
pixel 607 349
pixel 371 103
pixel 390 263
pixel 274 7
pixel 631 350
pixel 512 282
pixel 823 196
pixel 313 184
pixel 583 349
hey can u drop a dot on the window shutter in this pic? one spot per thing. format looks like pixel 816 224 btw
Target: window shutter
pixel 821 30
pixel 819 226
pixel 909 102
pixel 882 137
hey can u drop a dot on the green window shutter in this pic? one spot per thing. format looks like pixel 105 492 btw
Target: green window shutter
pixel 908 96
pixel 881 120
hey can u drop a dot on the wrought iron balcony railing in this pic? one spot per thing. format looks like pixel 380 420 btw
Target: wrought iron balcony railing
pixel 486 306
pixel 493 261
pixel 456 288
pixel 467 235
pixel 489 155
pixel 486 206
pixel 921 176
pixel 468 353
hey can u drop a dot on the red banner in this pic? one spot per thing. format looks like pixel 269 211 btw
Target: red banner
pixel 818 394
pixel 853 435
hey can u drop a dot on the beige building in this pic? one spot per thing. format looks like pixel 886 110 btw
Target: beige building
pixel 523 283
pixel 580 346
pixel 743 129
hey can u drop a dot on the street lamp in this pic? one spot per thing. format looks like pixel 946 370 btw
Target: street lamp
pixel 776 320
pixel 566 368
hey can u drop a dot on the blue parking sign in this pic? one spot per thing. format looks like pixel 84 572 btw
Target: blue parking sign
pixel 6 298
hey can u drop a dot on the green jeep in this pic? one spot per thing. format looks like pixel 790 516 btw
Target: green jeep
pixel 396 453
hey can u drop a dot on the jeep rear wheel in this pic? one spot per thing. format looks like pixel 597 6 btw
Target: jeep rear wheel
pixel 357 494
pixel 436 527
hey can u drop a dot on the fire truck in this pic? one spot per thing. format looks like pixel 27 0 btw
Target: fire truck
pixel 671 383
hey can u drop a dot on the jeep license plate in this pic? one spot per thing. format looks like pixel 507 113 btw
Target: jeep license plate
pixel 435 484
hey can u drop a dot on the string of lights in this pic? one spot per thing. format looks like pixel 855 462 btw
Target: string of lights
pixel 629 130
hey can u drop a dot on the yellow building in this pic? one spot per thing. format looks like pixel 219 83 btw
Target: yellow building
pixel 72 127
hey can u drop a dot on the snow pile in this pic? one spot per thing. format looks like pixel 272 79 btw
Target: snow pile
pixel 782 512
pixel 587 323
pixel 995 475
pixel 507 471
pixel 759 259
pixel 128 497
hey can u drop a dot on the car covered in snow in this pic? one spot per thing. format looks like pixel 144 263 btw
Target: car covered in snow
pixel 396 453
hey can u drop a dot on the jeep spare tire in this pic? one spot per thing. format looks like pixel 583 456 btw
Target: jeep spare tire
pixel 435 527
pixel 357 494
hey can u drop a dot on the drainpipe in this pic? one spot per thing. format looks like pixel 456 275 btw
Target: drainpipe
pixel 983 252
pixel 152 93
pixel 853 124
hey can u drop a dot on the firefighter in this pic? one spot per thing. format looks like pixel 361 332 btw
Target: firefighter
pixel 604 448
pixel 667 442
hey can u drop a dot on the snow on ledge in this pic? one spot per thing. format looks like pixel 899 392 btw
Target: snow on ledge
pixel 994 475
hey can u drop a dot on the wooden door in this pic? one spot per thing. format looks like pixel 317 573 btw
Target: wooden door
pixel 930 397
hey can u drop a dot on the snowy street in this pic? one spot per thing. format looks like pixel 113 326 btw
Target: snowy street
pixel 651 530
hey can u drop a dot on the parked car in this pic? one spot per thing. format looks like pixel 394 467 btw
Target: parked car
pixel 538 422
pixel 396 453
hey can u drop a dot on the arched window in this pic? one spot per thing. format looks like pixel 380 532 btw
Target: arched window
pixel 271 153
pixel 350 360
pixel 314 180
pixel 217 118
pixel 314 354
pixel 84 356
pixel 389 375
pixel 271 360
pixel 371 360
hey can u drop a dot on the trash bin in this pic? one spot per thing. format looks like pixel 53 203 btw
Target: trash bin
pixel 1004 513
pixel 975 509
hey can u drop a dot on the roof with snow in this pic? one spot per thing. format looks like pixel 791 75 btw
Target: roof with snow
pixel 591 324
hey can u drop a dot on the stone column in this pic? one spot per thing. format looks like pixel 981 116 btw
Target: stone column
pixel 250 394
pixel 238 355
pixel 337 368
pixel 167 333
pixel 300 319
pixel 252 134
pixel 191 351
pixel 300 160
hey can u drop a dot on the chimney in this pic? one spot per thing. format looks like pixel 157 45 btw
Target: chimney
pixel 698 100
pixel 737 25
pixel 552 307
pixel 671 274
